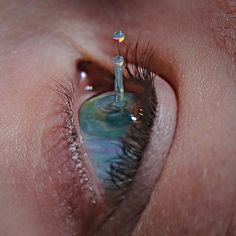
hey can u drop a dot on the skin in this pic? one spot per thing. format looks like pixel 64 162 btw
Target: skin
pixel 194 51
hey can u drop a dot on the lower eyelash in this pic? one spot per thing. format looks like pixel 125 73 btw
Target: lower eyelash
pixel 72 138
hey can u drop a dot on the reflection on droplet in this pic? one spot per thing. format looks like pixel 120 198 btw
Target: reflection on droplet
pixel 118 60
pixel 133 118
pixel 75 156
pixel 118 36
pixel 83 75
pixel 88 88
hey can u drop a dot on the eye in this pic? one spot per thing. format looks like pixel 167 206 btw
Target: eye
pixel 116 128
pixel 125 141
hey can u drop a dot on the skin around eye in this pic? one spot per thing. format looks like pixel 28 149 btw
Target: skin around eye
pixel 194 50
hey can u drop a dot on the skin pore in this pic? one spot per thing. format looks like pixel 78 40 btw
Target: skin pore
pixel 194 51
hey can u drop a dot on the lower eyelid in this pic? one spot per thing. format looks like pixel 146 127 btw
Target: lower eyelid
pixel 74 198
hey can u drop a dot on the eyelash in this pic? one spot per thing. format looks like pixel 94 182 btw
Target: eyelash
pixel 136 141
pixel 125 166
pixel 70 135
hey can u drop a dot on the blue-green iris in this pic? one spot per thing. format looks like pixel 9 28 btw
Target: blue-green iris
pixel 103 128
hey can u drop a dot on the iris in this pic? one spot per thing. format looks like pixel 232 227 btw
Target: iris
pixel 104 128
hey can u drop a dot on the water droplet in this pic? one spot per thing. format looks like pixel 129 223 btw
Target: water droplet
pixel 94 201
pixel 83 75
pixel 88 88
pixel 133 118
pixel 75 156
pixel 78 165
pixel 72 148
pixel 118 36
pixel 82 171
pixel 118 60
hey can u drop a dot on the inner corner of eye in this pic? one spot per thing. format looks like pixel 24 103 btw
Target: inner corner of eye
pixel 113 126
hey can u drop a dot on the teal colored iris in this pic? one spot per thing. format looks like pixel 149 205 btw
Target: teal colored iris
pixel 103 127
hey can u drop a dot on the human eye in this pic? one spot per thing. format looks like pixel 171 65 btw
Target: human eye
pixel 117 156
pixel 117 136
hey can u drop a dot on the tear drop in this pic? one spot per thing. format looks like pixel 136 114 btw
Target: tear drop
pixel 118 36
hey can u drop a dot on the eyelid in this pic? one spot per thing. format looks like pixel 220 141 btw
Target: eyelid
pixel 74 197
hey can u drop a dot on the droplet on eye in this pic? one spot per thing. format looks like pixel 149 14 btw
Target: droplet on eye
pixel 83 75
pixel 88 88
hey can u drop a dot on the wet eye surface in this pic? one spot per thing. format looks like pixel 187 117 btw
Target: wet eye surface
pixel 104 131
pixel 116 137
pixel 126 145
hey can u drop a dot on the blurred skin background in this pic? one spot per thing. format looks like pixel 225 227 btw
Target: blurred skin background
pixel 194 44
